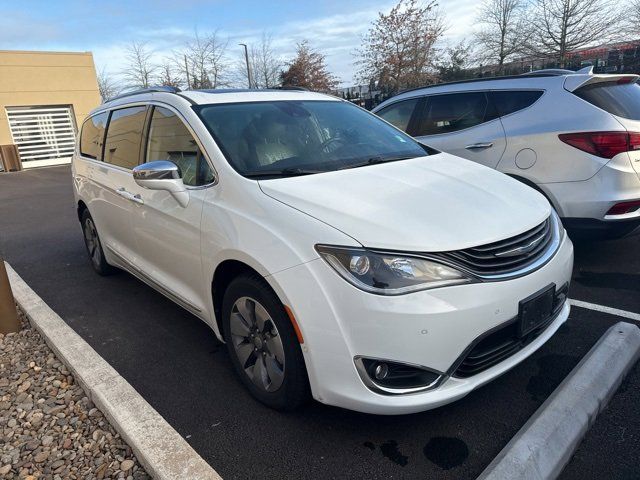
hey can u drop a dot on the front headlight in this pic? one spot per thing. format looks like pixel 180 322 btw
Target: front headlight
pixel 389 273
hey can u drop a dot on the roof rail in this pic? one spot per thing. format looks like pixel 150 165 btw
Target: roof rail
pixel 159 88
pixel 292 87
pixel 548 71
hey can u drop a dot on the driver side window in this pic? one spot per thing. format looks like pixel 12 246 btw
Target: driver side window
pixel 170 139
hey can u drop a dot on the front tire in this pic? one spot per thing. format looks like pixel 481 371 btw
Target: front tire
pixel 262 344
pixel 94 246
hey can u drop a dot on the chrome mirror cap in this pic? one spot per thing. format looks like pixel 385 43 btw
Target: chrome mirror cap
pixel 162 175
pixel 157 170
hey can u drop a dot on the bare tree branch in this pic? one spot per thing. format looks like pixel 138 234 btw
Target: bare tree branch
pixel 504 32
pixel 265 65
pixel 559 27
pixel 169 75
pixel 107 85
pixel 140 69
pixel 203 62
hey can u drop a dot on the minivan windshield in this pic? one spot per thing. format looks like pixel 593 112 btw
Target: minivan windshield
pixel 272 139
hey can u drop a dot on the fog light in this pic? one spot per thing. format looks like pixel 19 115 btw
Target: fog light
pixel 384 376
pixel 382 369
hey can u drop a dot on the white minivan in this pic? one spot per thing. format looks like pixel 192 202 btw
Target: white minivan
pixel 333 254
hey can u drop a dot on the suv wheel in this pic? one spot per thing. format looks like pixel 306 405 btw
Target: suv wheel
pixel 263 345
pixel 94 246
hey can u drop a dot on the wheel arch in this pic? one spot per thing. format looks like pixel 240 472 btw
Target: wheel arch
pixel 537 188
pixel 81 207
pixel 224 273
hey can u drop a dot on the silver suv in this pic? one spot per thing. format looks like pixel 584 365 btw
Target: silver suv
pixel 573 136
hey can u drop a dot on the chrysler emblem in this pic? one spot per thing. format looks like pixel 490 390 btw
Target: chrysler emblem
pixel 521 250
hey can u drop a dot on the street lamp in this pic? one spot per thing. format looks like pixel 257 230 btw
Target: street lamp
pixel 246 58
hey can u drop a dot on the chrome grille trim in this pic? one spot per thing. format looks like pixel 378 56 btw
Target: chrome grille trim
pixel 500 260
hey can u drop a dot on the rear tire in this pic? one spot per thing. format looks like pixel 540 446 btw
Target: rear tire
pixel 263 345
pixel 94 246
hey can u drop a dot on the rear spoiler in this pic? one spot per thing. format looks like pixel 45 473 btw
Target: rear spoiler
pixel 578 80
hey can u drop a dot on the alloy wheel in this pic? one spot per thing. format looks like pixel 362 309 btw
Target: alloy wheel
pixel 92 241
pixel 257 344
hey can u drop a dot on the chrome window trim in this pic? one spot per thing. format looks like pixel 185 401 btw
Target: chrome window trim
pixel 184 120
pixel 196 138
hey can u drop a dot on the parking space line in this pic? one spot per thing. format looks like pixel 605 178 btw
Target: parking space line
pixel 605 309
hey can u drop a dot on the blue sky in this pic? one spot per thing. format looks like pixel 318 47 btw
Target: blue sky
pixel 105 28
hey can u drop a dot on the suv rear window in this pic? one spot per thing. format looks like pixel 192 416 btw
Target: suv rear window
pixel 509 101
pixel 622 100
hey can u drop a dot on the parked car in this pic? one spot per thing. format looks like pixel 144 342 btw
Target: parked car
pixel 331 252
pixel 574 137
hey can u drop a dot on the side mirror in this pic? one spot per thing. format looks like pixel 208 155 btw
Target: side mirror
pixel 162 175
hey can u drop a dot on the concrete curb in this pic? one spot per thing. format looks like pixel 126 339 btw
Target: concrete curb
pixel 163 453
pixel 545 444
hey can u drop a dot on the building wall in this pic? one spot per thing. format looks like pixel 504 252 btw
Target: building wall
pixel 46 78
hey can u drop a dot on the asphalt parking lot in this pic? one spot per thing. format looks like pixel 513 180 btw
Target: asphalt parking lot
pixel 175 362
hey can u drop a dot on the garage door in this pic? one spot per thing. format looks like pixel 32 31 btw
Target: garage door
pixel 44 135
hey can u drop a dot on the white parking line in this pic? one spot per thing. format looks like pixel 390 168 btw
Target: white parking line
pixel 605 309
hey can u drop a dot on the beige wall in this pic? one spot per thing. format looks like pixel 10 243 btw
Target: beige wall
pixel 46 78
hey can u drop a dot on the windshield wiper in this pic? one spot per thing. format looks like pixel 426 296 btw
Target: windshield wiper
pixel 285 172
pixel 376 160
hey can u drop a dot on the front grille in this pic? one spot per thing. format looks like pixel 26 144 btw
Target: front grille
pixel 504 342
pixel 505 256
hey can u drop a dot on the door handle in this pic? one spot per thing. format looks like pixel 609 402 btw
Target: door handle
pixel 130 196
pixel 479 146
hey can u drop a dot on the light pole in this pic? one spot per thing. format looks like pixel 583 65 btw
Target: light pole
pixel 246 58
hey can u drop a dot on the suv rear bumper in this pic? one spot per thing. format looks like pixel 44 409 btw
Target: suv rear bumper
pixel 604 229
pixel 583 205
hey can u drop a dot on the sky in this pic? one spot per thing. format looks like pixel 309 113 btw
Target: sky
pixel 106 28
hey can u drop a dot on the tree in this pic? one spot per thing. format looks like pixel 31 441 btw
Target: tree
pixel 107 85
pixel 308 69
pixel 265 66
pixel 168 75
pixel 562 26
pixel 140 69
pixel 203 61
pixel 634 14
pixel 504 32
pixel 399 50
pixel 455 61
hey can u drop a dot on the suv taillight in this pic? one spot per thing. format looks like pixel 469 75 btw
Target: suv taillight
pixel 602 144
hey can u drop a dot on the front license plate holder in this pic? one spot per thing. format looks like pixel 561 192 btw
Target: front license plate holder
pixel 535 310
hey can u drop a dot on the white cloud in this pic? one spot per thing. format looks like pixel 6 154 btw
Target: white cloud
pixel 337 36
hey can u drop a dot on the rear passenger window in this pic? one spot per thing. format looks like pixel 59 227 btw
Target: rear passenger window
pixel 622 100
pixel 124 135
pixel 509 101
pixel 92 136
pixel 170 139
pixel 399 114
pixel 452 112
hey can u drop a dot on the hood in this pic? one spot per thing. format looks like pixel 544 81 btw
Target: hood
pixel 435 203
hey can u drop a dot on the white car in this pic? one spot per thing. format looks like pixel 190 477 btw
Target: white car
pixel 573 136
pixel 330 251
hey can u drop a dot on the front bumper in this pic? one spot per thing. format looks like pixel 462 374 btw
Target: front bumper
pixel 431 328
